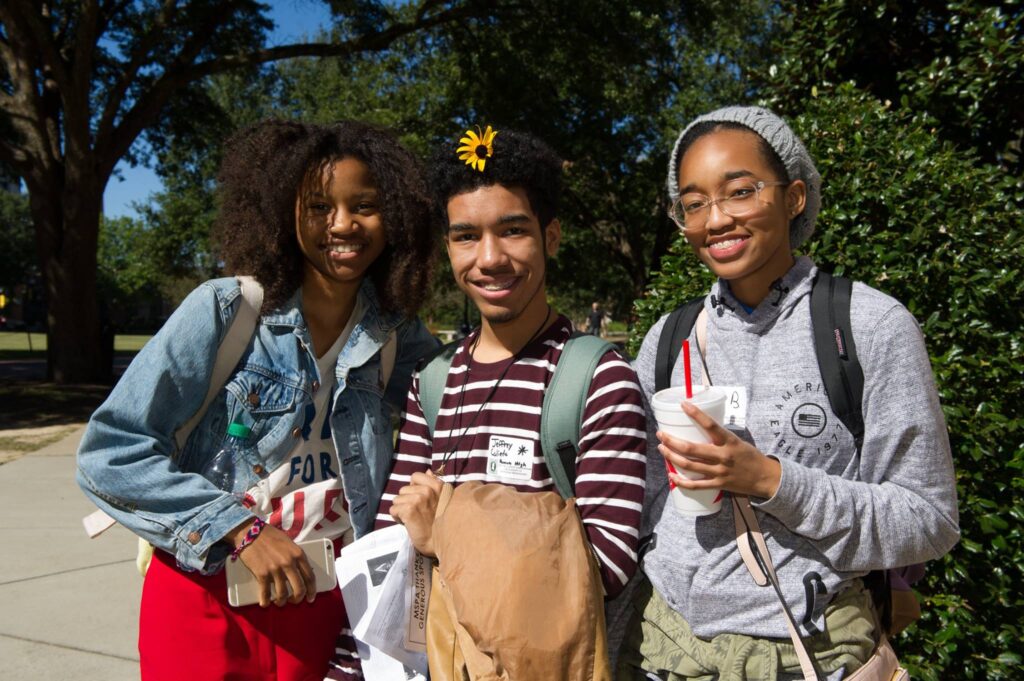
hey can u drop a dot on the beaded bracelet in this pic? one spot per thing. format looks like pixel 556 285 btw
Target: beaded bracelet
pixel 257 526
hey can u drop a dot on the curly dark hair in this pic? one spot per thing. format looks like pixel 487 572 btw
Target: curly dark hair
pixel 264 168
pixel 519 160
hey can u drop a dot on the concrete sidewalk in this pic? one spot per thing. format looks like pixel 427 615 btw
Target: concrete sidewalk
pixel 70 604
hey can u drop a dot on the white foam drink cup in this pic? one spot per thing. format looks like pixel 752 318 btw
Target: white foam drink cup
pixel 668 412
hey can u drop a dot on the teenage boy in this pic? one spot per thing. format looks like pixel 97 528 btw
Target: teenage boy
pixel 500 229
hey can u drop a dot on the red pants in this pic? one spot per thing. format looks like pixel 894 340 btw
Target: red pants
pixel 187 631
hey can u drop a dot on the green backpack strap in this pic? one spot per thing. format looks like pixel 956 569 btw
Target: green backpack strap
pixel 433 376
pixel 561 416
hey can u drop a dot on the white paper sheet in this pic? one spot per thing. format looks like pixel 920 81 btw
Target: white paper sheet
pixel 364 568
pixel 398 625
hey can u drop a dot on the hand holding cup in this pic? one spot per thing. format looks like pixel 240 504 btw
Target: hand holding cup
pixel 718 461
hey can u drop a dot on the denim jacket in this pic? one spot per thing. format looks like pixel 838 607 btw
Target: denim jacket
pixel 128 463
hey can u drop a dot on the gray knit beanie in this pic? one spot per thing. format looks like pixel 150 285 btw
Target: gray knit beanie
pixel 785 143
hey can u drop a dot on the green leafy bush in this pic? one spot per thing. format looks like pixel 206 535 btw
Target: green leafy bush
pixel 916 218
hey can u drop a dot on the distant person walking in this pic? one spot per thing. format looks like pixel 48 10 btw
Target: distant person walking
pixel 333 223
pixel 594 320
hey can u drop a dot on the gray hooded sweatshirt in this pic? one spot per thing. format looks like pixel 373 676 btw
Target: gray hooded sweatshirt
pixel 835 513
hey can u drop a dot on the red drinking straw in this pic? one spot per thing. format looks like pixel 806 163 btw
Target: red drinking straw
pixel 689 395
pixel 686 369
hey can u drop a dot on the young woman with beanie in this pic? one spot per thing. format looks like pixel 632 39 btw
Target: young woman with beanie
pixel 745 194
pixel 333 222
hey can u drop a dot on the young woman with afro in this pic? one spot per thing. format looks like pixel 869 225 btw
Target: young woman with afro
pixel 333 222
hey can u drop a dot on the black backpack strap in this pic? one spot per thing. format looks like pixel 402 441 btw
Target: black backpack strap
pixel 677 329
pixel 837 352
pixel 844 379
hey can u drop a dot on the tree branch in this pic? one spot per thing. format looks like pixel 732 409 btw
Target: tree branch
pixel 77 109
pixel 118 140
pixel 7 57
pixel 24 17
pixel 145 46
pixel 12 156
pixel 25 106
pixel 108 10
pixel 148 108
pixel 366 43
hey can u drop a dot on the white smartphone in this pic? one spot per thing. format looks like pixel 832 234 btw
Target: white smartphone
pixel 243 589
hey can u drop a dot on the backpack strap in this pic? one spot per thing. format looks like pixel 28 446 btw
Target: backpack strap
pixel 561 415
pixel 837 353
pixel 676 329
pixel 562 410
pixel 434 370
pixel 844 380
pixel 388 351
pixel 229 353
pixel 752 547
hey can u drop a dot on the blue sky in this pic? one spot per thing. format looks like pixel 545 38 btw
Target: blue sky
pixel 294 19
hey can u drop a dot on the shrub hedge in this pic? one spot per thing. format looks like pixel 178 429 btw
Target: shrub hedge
pixel 944 234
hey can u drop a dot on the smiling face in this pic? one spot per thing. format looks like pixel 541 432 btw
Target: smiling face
pixel 497 250
pixel 339 225
pixel 752 251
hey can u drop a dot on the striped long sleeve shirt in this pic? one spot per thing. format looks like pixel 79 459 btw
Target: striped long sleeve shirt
pixel 488 429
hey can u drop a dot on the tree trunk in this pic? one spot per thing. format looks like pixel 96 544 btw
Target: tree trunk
pixel 67 229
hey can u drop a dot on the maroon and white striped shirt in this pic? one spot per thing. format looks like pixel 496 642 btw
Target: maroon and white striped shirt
pixel 500 441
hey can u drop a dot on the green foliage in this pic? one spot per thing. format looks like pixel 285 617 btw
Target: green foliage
pixel 962 62
pixel 17 257
pixel 912 216
pixel 141 264
pixel 918 219
pixel 605 110
pixel 939 229
pixel 128 273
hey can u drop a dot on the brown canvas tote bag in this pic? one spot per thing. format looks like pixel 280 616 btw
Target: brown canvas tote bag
pixel 516 593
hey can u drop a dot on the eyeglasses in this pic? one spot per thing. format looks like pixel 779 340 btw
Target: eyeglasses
pixel 736 198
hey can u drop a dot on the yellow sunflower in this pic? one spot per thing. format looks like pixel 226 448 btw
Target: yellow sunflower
pixel 477 147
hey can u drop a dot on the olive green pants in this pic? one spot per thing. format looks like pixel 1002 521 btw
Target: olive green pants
pixel 659 642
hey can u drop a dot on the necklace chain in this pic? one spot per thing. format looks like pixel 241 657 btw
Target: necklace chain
pixel 449 452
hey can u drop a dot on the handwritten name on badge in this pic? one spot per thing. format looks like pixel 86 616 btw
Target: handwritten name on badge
pixel 735 405
pixel 510 458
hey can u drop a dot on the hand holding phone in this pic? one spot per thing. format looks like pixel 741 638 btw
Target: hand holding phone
pixel 276 569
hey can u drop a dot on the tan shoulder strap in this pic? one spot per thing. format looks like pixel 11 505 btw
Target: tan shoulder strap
pixel 387 358
pixel 744 519
pixel 701 327
pixel 228 355
pixel 230 351
pixel 749 531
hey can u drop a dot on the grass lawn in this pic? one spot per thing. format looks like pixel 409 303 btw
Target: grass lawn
pixel 616 327
pixel 37 404
pixel 22 345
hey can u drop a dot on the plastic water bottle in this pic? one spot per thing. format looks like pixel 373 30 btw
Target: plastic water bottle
pixel 221 468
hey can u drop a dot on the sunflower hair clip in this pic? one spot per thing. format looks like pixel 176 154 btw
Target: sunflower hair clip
pixel 477 147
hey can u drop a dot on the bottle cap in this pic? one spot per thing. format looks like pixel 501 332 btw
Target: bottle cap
pixel 239 430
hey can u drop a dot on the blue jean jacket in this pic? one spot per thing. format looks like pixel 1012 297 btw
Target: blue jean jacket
pixel 128 463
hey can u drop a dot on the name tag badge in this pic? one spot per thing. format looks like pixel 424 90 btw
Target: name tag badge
pixel 510 458
pixel 735 406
